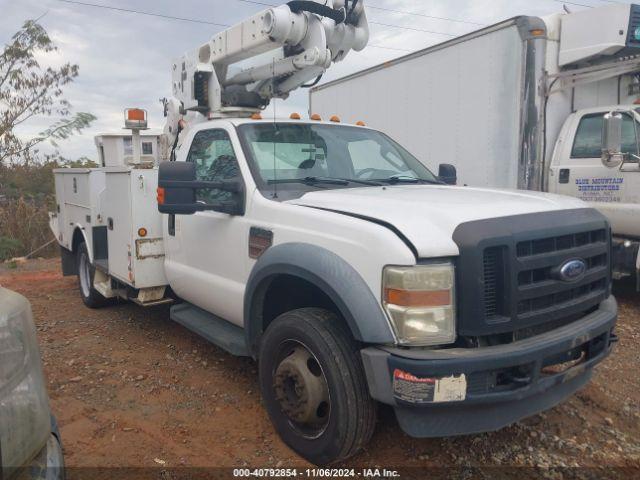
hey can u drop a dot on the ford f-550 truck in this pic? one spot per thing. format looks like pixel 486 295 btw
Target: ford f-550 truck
pixel 332 256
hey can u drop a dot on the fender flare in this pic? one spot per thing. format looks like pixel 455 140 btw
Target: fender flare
pixel 331 274
pixel 82 230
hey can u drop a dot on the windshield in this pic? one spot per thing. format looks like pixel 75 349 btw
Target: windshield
pixel 327 156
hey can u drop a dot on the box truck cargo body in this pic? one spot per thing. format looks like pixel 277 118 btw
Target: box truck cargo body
pixel 519 104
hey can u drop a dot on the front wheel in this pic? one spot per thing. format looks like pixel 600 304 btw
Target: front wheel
pixel 314 386
pixel 86 272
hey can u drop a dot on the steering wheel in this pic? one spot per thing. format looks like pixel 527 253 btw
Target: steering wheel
pixel 362 173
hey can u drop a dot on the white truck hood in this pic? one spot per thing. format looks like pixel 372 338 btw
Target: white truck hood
pixel 428 215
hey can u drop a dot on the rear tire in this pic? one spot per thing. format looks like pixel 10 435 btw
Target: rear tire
pixel 314 386
pixel 86 272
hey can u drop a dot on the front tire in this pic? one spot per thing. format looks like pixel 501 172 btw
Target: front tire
pixel 314 386
pixel 86 273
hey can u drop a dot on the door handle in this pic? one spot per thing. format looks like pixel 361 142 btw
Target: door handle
pixel 565 174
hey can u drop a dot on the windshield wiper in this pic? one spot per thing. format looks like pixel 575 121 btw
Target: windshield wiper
pixel 325 181
pixel 311 181
pixel 396 179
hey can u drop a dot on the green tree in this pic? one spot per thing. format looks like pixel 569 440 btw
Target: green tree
pixel 29 90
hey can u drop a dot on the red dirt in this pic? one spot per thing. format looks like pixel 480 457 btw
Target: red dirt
pixel 130 388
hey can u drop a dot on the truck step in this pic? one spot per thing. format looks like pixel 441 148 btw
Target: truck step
pixel 221 333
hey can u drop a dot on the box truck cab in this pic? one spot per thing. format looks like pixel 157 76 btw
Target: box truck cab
pixel 612 185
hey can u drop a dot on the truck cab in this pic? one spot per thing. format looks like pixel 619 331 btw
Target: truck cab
pixel 577 169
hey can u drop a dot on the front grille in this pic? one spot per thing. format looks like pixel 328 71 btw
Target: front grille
pixel 508 271
pixel 539 293
pixel 558 244
pixel 554 299
pixel 492 264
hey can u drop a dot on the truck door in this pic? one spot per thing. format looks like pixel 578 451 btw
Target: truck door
pixel 206 251
pixel 577 170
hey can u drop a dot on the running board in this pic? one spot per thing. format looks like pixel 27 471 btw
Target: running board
pixel 221 333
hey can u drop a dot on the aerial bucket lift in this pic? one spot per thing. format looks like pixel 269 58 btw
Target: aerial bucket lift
pixel 306 37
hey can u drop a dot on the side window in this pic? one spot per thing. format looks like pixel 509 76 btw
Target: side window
pixel 588 141
pixel 215 160
pixel 128 146
pixel 147 148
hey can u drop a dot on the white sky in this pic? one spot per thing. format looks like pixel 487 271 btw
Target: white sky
pixel 124 58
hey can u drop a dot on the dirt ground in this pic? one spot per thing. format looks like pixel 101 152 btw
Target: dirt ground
pixel 130 388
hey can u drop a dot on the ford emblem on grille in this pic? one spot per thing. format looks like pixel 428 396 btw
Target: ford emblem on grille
pixel 572 270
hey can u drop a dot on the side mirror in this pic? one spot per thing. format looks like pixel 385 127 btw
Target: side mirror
pixel 612 139
pixel 448 174
pixel 178 185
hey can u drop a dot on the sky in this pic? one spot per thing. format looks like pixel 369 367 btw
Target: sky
pixel 124 58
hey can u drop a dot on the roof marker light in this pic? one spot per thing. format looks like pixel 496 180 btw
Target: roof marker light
pixel 316 117
pixel 335 119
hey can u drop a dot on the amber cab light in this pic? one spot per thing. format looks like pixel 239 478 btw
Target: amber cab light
pixel 160 196
pixel 316 118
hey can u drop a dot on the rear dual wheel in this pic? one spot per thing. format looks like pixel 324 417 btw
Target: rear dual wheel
pixel 314 386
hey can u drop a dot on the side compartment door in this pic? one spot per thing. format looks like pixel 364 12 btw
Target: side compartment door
pixel 206 252
pixel 578 171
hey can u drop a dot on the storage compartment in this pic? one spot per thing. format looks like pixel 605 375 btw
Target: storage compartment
pixel 134 227
pixel 78 193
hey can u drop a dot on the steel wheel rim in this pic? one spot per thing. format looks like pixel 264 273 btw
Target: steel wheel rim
pixel 85 274
pixel 309 418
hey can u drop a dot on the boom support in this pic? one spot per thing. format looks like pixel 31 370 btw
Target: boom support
pixel 305 38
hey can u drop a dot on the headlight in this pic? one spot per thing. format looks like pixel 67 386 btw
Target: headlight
pixel 25 422
pixel 420 301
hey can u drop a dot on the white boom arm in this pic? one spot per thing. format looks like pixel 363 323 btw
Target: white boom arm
pixel 309 37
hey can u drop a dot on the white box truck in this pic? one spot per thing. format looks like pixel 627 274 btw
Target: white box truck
pixel 335 258
pixel 518 104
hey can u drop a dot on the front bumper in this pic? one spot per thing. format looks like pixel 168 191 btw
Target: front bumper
pixel 504 383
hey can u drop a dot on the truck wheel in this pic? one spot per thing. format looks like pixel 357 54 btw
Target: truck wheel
pixel 314 386
pixel 90 296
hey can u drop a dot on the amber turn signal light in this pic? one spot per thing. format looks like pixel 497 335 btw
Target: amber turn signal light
pixel 160 196
pixel 136 114
pixel 417 298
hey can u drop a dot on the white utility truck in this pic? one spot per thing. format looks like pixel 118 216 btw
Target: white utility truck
pixel 519 104
pixel 334 257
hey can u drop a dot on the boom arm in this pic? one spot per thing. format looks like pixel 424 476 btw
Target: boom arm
pixel 310 36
